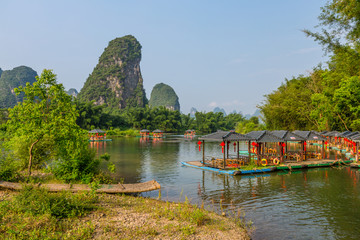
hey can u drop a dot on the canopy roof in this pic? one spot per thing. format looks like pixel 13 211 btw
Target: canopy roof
pixel 158 131
pixel 190 130
pixel 310 135
pixel 287 135
pixel 225 136
pixel 144 130
pixel 263 136
pixel 97 131
pixel 332 134
pixel 344 134
pixel 356 138
pixel 350 135
pixel 353 135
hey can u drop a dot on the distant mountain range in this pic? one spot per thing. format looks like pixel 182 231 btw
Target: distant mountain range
pixel 217 109
pixel 73 92
pixel 11 79
pixel 257 112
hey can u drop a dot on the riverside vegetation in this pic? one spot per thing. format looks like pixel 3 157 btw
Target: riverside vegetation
pixel 327 99
pixel 44 143
pixel 37 214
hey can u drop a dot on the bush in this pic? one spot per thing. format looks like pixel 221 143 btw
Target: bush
pixel 38 201
pixel 8 168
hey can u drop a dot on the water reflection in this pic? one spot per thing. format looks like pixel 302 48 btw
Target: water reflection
pixel 161 160
pixel 127 154
pixel 316 203
pixel 307 204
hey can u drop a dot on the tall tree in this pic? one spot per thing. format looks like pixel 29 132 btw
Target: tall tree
pixel 340 25
pixel 48 116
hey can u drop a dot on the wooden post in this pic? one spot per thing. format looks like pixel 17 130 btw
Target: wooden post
pixel 302 150
pixel 238 149
pixel 281 153
pixel 258 153
pixel 286 151
pixel 224 156
pixel 323 150
pixel 357 152
pixel 249 150
pixel 227 149
pixel 203 143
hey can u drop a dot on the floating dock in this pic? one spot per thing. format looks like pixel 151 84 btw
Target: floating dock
pixel 287 166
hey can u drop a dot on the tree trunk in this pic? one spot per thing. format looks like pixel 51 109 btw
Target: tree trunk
pixel 30 157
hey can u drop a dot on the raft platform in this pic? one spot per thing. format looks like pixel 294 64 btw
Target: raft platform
pixel 286 166
pixel 103 188
pixel 355 165
pixel 101 140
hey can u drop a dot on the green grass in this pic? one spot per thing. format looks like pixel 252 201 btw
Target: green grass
pixel 35 213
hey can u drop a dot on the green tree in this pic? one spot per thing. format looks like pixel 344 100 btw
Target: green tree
pixel 340 26
pixel 47 118
pixel 246 126
pixel 346 101
pixel 289 106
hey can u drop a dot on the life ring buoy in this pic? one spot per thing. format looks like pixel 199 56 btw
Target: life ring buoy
pixel 276 161
pixel 264 162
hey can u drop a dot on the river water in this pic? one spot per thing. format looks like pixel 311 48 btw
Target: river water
pixel 321 203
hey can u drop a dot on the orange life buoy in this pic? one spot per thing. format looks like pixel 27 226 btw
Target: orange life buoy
pixel 276 161
pixel 264 162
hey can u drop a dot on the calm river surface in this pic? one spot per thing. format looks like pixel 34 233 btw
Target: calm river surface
pixel 322 203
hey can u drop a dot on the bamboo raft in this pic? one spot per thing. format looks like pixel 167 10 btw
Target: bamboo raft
pixel 103 188
pixel 271 168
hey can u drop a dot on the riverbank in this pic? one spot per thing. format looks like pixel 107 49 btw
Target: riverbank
pixel 120 217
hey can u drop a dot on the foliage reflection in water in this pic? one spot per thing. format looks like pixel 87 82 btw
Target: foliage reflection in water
pixel 319 203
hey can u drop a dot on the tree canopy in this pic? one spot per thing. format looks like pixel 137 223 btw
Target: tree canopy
pixel 45 124
pixel 328 98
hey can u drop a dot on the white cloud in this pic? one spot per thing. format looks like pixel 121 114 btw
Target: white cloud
pixel 213 104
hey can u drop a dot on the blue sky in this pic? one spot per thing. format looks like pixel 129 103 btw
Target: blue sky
pixel 225 54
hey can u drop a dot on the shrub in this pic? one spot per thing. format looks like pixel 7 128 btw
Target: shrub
pixel 38 201
pixel 8 168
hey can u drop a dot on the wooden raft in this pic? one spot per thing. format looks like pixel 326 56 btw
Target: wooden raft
pixel 103 188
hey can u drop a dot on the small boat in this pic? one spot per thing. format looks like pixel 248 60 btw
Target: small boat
pixel 103 188
pixel 189 133
pixel 98 135
pixel 158 133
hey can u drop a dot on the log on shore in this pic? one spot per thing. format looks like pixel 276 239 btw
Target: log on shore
pixel 103 188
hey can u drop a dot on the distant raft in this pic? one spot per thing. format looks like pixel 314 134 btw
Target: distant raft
pixel 103 188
